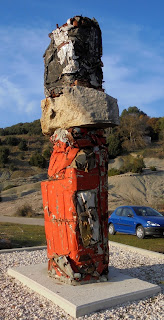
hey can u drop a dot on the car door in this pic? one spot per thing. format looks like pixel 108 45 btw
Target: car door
pixel 116 218
pixel 127 221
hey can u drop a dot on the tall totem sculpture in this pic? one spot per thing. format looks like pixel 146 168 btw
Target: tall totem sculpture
pixel 75 113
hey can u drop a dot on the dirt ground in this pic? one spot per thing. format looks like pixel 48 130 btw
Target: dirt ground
pixel 9 208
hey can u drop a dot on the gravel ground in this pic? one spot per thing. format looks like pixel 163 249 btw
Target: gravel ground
pixel 19 302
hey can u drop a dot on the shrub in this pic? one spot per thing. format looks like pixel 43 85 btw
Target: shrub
pixel 22 145
pixel 9 187
pixel 132 164
pixel 4 153
pixel 114 147
pixel 38 160
pixel 25 211
pixel 12 141
pixel 47 153
pixel 12 167
pixel 2 132
pixel 21 156
pixel 23 128
pixel 113 172
pixel 137 165
pixel 153 168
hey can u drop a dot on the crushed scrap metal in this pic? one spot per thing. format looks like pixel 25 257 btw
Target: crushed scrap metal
pixel 73 56
pixel 75 206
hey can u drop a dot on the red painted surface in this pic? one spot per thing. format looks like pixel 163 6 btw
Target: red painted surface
pixel 74 241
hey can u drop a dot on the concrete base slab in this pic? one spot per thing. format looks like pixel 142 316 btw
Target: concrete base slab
pixel 84 299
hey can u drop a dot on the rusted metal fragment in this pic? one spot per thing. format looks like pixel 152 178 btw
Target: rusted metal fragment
pixel 74 55
pixel 88 217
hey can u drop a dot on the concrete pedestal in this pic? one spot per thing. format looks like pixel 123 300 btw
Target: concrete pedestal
pixel 84 299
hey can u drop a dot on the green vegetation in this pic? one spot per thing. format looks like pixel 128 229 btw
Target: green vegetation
pixel 4 153
pixel 12 167
pixel 22 145
pixel 47 153
pixel 24 151
pixel 11 141
pixel 134 132
pixel 30 128
pixel 29 235
pixel 38 160
pixel 131 164
pixel 10 186
pixel 132 110
pixel 23 235
pixel 153 168
pixel 25 211
pixel 113 172
pixel 114 145
pixel 152 244
pixel 155 150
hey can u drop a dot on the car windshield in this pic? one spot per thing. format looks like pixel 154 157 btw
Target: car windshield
pixel 146 211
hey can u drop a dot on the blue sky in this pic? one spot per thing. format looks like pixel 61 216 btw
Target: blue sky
pixel 133 52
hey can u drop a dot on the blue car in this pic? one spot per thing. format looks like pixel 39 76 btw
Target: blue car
pixel 138 220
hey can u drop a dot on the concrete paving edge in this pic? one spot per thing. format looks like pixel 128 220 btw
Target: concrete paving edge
pixel 138 250
pixel 116 244
pixel 23 249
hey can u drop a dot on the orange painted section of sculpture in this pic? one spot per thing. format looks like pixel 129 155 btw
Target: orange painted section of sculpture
pixel 76 213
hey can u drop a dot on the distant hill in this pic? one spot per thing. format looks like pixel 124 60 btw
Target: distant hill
pixel 29 128
pixel 24 151
pixel 22 170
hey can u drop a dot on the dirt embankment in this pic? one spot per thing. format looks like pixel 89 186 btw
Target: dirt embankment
pixel 27 191
pixel 126 189
pixel 137 189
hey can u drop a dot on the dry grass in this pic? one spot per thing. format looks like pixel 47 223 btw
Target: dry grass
pixel 149 243
pixel 22 235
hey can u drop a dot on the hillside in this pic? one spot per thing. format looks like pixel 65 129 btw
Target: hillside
pixel 138 189
pixel 20 180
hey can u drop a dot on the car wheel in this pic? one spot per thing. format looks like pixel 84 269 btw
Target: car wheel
pixel 140 232
pixel 111 229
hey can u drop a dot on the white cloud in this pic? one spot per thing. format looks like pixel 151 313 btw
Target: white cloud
pixel 22 68
pixel 134 70
pixel 10 90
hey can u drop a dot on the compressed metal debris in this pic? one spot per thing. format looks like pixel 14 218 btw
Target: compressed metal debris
pixel 73 56
pixel 74 113
pixel 75 206
pixel 73 79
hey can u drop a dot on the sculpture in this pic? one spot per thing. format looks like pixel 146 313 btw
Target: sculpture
pixel 75 112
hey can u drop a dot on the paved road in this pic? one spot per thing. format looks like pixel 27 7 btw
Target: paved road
pixel 22 220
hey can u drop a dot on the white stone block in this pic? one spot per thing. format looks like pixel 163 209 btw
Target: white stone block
pixel 79 106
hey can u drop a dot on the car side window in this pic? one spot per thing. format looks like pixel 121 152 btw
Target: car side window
pixel 126 212
pixel 118 211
